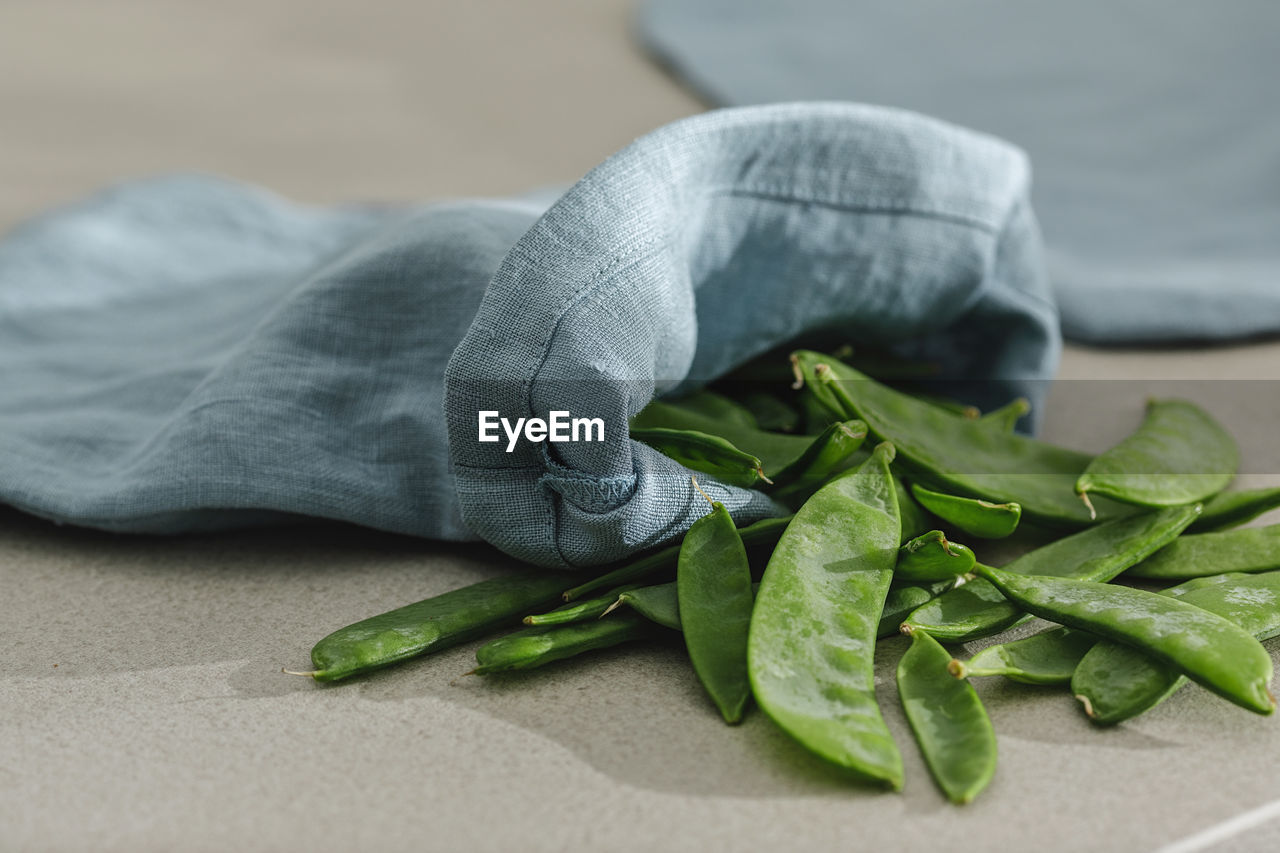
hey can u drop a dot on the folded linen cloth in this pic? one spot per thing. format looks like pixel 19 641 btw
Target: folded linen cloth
pixel 189 353
pixel 1154 128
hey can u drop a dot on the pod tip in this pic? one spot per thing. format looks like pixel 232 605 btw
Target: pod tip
pixel 1088 706
pixel 311 674
pixel 956 668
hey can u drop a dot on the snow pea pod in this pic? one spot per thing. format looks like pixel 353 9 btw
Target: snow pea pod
pixel 811 646
pixel 904 598
pixel 1229 509
pixel 1049 657
pixel 976 517
pixel 1209 649
pixel 931 557
pixel 1179 455
pixel 578 611
pixel 710 454
pixel 775 450
pixel 713 589
pixel 1005 418
pixel 957 454
pixel 535 647
pixel 1247 549
pixel 1116 683
pixel 658 603
pixel 827 455
pixel 433 624
pixel 761 534
pixel 1097 553
pixel 947 717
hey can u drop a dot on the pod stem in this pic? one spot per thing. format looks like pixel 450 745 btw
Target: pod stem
pixel 1084 496
pixel 957 668
pixel 611 608
pixel 1088 706
pixel 311 674
pixel 797 373
pixel 694 480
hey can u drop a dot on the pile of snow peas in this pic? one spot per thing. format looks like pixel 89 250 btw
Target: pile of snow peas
pixel 1135 559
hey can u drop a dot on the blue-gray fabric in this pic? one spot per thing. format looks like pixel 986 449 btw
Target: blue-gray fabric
pixel 1154 129
pixel 189 353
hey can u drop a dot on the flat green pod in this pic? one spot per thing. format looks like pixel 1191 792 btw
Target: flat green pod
pixel 811 649
pixel 1245 549
pixel 828 454
pixel 932 557
pixel 961 455
pixel 905 597
pixel 974 516
pixel 775 450
pixel 713 588
pixel 709 454
pixel 431 625
pixel 1049 657
pixel 1179 455
pixel 1208 648
pixel 1230 509
pixel 950 725
pixel 535 647
pixel 760 534
pixel 1099 553
pixel 1115 682
pixel 578 611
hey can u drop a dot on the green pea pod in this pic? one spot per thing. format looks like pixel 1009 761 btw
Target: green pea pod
pixel 827 455
pixel 1115 682
pixel 1247 549
pixel 710 454
pixel 430 625
pixel 1049 657
pixel 904 598
pixel 811 649
pixel 659 603
pixel 578 611
pixel 761 534
pixel 713 585
pixel 948 720
pixel 535 647
pixel 1229 509
pixel 1209 649
pixel 1179 455
pixel 930 557
pixel 961 455
pixel 1005 418
pixel 976 517
pixel 1098 553
pixel 775 450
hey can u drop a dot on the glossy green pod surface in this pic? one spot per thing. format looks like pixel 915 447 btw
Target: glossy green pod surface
pixel 1049 657
pixel 1245 549
pixel 948 720
pixel 974 516
pixel 932 557
pixel 704 452
pixel 958 454
pixel 713 586
pixel 578 611
pixel 1179 455
pixel 433 624
pixel 1097 553
pixel 1115 682
pixel 1211 650
pixel 1229 509
pixel 535 647
pixel 761 534
pixel 811 648
pixel 905 597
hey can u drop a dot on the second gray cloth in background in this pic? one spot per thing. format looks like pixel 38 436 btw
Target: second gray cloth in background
pixel 1154 129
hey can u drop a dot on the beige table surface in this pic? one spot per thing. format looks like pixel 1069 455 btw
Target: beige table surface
pixel 141 701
